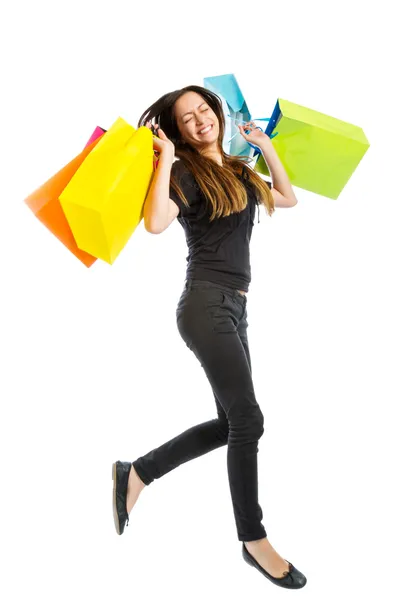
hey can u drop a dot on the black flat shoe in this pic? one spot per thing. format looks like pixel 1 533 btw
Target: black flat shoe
pixel 291 579
pixel 120 475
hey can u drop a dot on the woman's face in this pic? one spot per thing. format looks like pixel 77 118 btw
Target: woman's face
pixel 197 122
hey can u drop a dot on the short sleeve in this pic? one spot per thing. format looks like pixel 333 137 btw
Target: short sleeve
pixel 187 184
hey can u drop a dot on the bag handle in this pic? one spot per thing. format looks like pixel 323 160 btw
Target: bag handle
pixel 243 122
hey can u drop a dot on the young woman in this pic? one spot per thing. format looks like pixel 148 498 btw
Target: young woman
pixel 214 196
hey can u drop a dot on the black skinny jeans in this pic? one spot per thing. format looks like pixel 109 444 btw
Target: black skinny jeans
pixel 212 321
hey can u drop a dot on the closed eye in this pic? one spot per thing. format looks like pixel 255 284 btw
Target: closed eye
pixel 191 117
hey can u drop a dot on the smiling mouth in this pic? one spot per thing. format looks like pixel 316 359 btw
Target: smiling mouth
pixel 206 129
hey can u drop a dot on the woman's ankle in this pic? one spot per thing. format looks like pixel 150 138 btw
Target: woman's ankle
pixel 256 543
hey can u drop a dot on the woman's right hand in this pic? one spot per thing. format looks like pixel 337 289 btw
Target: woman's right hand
pixel 162 144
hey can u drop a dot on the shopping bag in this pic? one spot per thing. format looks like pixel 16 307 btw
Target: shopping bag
pixel 235 112
pixel 319 152
pixel 96 134
pixel 104 200
pixel 45 205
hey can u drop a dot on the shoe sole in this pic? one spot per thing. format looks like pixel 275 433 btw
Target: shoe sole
pixel 114 498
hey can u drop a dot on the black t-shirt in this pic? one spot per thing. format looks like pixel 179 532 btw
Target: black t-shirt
pixel 218 250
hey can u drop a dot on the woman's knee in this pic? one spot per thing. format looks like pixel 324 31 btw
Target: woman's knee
pixel 258 425
pixel 247 427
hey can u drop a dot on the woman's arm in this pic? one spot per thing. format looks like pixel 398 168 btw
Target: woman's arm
pixel 281 201
pixel 157 204
pixel 282 190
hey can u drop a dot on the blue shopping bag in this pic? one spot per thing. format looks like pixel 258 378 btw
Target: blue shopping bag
pixel 236 112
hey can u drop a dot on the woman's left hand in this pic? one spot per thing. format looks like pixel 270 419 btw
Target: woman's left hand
pixel 256 136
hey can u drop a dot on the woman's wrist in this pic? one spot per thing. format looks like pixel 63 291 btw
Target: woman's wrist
pixel 166 158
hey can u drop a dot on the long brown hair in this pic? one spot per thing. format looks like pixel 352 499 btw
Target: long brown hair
pixel 219 184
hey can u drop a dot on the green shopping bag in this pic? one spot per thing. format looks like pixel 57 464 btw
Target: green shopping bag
pixel 319 152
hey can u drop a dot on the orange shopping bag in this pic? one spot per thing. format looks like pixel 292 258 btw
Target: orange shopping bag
pixel 45 205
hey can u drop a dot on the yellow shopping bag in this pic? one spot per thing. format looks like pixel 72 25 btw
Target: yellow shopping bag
pixel 103 202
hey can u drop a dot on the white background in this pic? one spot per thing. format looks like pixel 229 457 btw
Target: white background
pixel 93 367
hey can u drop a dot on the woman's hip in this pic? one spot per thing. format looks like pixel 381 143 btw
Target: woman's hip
pixel 205 308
